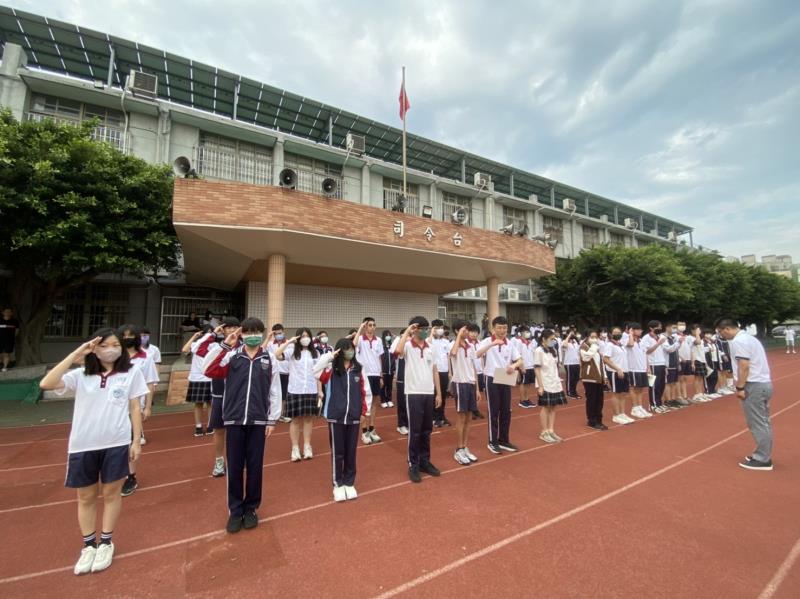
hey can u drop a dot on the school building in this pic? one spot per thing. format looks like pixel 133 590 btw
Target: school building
pixel 293 210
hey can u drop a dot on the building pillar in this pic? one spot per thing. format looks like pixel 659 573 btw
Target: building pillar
pixel 366 194
pixel 488 217
pixel 276 288
pixel 492 298
pixel 277 161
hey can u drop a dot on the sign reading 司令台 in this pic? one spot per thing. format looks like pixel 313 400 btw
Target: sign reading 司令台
pixel 399 229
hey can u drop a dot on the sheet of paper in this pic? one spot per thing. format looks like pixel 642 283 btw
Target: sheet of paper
pixel 501 377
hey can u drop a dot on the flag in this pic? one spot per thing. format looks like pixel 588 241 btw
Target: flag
pixel 404 103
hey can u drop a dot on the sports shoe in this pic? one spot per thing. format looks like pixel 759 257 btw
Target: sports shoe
pixel 142 440
pixel 373 435
pixel 350 492
pixel 130 485
pixel 104 555
pixel 715 396
pixel 85 561
pixel 308 452
pixel 628 419
pixel 403 430
pixel 414 475
pixel 545 436
pixel 555 436
pixel 339 494
pixel 459 457
pixel 365 438
pixel 390 404
pixel 384 404
pixel 219 467
pixel 437 424
pixel 250 519
pixel 470 456
pixel 296 454
pixel 753 464
pixel 446 422
pixel 234 524
pixel 684 402
pixel 198 431
pixel 494 448
pixel 508 446
pixel 478 415
pixel 285 419
pixel 619 419
pixel 429 468
pixel 526 403
pixel 209 431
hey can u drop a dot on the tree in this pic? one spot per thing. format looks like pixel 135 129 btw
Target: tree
pixel 70 209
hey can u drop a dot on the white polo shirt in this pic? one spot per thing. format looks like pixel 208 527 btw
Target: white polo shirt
pixel 617 354
pixel 478 362
pixel 196 374
pixel 419 369
pixel 441 349
pixel 282 365
pixel 144 362
pixel 153 351
pixel 498 356
pixel 100 418
pixel 637 359
pixel 368 354
pixel 547 370
pixel 746 347
pixel 790 335
pixel 464 364
pixel 301 371
pixel 571 352
pixel 659 355
pixel 685 349
pixel 526 347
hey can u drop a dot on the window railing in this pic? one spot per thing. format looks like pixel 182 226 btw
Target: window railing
pixel 104 133
pixel 218 163
pixel 449 208
pixel 311 182
pixel 391 201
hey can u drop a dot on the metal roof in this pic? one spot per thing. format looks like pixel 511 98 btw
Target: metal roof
pixel 75 51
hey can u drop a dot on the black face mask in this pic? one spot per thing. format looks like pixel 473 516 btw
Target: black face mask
pixel 658 331
pixel 616 337
pixel 129 342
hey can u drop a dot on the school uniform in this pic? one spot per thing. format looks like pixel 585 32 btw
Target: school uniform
pixel 100 436
pixel 479 369
pixel 301 399
pixel 657 361
pixel 572 365
pixel 724 353
pixel 199 390
pixel 217 387
pixel 672 360
pixel 348 398
pixel 593 378
pixel 153 352
pixel 145 363
pixel 388 365
pixel 282 368
pixel 637 363
pixel 526 347
pixel 420 398
pixel 368 354
pixel 251 401
pixel 614 351
pixel 546 364
pixel 685 354
pixel 441 348
pixel 464 378
pixel 712 368
pixel 498 396
pixel 400 367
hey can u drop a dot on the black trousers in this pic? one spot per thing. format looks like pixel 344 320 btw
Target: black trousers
pixel 402 410
pixel 657 390
pixel 344 441
pixel 244 448
pixel 594 402
pixel 284 388
pixel 444 381
pixel 498 399
pixel 573 376
pixel 386 392
pixel 420 425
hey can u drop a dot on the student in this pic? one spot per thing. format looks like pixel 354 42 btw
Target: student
pixel 441 350
pixel 388 365
pixel 321 343
pixel 199 390
pixel 790 336
pixel 700 365
pixel 671 381
pixel 369 350
pixel 571 359
pixel 104 438
pixel 9 331
pixel 476 413
pixel 685 365
pixel 423 393
pixel 498 352
pixel 228 326
pixel 637 370
pixel 615 359
pixel 282 366
pixel 548 383
pixel 399 373
pixel 656 345
pixel 724 368
pixel 151 350
pixel 250 411
pixel 593 378
pixel 304 389
pixel 754 389
pixel 132 344
pixel 465 383
pixel 347 399
pixel 526 346
pixel 712 363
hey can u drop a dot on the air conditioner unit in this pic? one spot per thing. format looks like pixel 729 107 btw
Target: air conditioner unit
pixel 142 84
pixel 482 180
pixel 460 216
pixel 357 144
pixel 513 294
pixel 631 223
pixel 672 236
pixel 568 204
pixel 533 197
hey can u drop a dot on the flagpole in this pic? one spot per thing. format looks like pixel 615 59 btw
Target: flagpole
pixel 405 186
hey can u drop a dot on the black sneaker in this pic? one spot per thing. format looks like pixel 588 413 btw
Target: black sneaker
pixel 526 403
pixel 210 430
pixel 597 426
pixel 753 464
pixel 437 424
pixel 508 446
pixel 429 468
pixel 494 448
pixel 414 475
pixel 250 519
pixel 198 431
pixel 479 414
pixel 234 524
pixel 129 486
pixel 445 422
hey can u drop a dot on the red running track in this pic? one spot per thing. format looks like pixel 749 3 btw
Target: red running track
pixel 655 509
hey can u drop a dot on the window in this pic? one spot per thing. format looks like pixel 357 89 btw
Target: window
pixel 554 227
pixel 223 158
pixel 63 111
pixel 460 311
pixel 393 189
pixel 516 217
pixel 591 236
pixel 617 239
pixel 83 310
pixel 452 202
pixel 311 173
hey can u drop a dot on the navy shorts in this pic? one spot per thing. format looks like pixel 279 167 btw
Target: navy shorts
pixel 375 386
pixel 85 468
pixel 466 399
pixel 638 380
pixel 215 414
pixel 481 383
pixel 529 378
pixel 686 369
pixel 616 383
pixel 672 375
pixel 724 367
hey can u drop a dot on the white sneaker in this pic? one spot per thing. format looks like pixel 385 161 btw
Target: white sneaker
pixel 308 453
pixel 296 454
pixel 638 412
pixel 384 404
pixel 715 396
pixel 219 467
pixel 103 557
pixel 84 565
pixel 619 420
pixel 403 430
pixel 142 440
pixel 390 404
pixel 459 457
pixel 350 492
pixel 627 418
pixel 470 456
pixel 339 494
pixel 374 436
pixel 365 438
pixel 646 413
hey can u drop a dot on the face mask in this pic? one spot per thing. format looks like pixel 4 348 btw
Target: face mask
pixel 127 342
pixel 279 336
pixel 109 355
pixel 252 340
pixel 305 341
pixel 553 344
pixel 438 332
pixel 526 335
pixel 145 339
pixel 617 337
pixel 592 340
pixel 658 331
pixel 349 353
pixel 422 334
pixel 681 328
pixel 578 337
pixel 323 340
pixel 388 338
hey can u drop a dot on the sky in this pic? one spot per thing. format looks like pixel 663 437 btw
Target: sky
pixel 690 110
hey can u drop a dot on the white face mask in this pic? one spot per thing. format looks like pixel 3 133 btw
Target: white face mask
pixel 526 335
pixel 438 332
pixel 305 341
pixel 108 355
pixel 323 339
pixel 681 328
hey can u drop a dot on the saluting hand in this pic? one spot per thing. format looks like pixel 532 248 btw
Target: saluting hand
pixel 86 348
pixel 233 338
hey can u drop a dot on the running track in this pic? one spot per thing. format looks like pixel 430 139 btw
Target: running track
pixel 655 509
